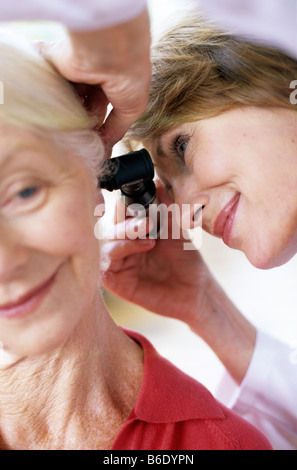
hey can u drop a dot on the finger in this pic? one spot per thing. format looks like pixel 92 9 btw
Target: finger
pixel 131 229
pixel 114 128
pixel 123 114
pixel 120 212
pixel 120 249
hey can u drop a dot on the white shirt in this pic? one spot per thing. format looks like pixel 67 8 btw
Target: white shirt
pixel 272 22
pixel 267 395
pixel 74 14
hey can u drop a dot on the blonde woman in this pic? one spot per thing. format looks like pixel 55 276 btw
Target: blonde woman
pixel 70 378
pixel 221 129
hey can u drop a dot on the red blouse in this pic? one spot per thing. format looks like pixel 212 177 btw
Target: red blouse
pixel 175 412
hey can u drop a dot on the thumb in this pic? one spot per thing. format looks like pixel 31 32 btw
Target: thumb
pixel 114 128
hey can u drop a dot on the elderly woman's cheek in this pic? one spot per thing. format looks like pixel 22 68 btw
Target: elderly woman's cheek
pixel 71 218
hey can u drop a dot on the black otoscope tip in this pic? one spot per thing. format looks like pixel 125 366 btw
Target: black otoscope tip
pixel 127 169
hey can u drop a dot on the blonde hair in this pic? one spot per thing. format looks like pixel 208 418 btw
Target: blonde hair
pixel 36 97
pixel 200 72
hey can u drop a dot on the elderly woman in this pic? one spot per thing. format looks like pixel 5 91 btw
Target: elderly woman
pixel 70 377
pixel 222 132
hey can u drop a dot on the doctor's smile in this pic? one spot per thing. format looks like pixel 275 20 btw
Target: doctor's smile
pixel 224 222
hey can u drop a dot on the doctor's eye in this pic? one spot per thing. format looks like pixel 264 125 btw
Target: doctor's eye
pixel 180 145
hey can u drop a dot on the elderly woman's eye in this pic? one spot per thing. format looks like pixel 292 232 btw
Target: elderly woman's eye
pixel 27 192
pixel 22 197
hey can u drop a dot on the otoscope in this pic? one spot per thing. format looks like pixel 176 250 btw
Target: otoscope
pixel 133 174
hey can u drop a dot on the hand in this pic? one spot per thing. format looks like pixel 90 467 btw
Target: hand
pixel 162 277
pixel 112 66
pixel 158 275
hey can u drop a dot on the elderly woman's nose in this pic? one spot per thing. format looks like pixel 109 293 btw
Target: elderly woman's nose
pixel 13 256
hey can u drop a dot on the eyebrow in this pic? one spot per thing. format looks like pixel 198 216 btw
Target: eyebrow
pixel 6 157
pixel 10 155
pixel 4 160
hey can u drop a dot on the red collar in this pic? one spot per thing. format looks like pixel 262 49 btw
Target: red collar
pixel 185 398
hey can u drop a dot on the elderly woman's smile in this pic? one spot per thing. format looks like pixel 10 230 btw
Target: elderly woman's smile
pixel 47 246
pixel 27 302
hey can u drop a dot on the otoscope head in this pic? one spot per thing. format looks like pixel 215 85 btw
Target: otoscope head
pixel 130 168
pixel 133 174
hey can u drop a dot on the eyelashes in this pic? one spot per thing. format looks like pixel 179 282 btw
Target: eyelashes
pixel 179 145
pixel 27 193
pixel 23 198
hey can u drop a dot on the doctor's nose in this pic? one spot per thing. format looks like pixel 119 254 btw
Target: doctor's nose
pixel 191 215
pixel 192 210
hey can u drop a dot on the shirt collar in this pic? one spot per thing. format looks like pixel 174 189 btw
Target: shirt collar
pixel 169 395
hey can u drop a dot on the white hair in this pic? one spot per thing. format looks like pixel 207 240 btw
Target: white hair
pixel 35 96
